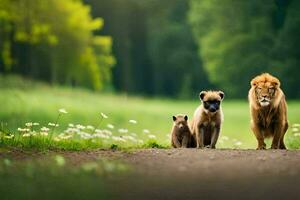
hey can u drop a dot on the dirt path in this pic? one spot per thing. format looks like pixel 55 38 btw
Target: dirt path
pixel 202 174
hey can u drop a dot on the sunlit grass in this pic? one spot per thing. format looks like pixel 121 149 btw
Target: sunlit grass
pixel 93 120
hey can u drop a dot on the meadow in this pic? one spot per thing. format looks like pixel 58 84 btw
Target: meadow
pixel 30 110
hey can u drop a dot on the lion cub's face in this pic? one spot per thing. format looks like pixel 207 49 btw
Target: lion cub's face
pixel 211 100
pixel 180 121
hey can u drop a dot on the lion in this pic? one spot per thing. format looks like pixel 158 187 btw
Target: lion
pixel 268 111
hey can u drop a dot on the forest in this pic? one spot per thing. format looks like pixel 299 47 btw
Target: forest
pixel 169 48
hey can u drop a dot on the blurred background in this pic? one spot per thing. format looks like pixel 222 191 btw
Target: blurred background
pixel 162 49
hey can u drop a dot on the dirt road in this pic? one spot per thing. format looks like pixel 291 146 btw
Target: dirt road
pixel 202 174
pixel 205 174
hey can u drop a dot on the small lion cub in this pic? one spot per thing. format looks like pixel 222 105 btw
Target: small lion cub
pixel 181 134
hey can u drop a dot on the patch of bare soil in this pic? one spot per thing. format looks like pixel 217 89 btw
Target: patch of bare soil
pixel 199 174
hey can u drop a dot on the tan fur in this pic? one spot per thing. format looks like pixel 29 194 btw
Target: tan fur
pixel 205 125
pixel 269 116
pixel 180 134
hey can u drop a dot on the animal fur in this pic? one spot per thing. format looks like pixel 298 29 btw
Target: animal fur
pixel 181 134
pixel 268 111
pixel 206 123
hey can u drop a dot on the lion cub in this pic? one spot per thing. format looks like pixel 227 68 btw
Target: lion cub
pixel 181 134
pixel 207 120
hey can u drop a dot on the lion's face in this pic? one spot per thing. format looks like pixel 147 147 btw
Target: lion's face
pixel 265 93
pixel 265 89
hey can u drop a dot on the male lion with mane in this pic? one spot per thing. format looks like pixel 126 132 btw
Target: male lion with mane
pixel 268 110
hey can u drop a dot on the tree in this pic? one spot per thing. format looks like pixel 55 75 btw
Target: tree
pixel 56 37
pixel 236 39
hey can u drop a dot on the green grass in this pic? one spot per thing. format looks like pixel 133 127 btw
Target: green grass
pixel 40 103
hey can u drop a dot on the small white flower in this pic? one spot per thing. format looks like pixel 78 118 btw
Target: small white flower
pixel 129 137
pixel 36 124
pixel 123 130
pixel 107 132
pixel 63 111
pixel 119 139
pixel 23 130
pixel 80 127
pixel 296 134
pixel 104 115
pixel 52 124
pixel 9 136
pixel 151 136
pixel 295 129
pixel 132 121
pixel 45 129
pixel 146 131
pixel 26 135
pixel 28 124
pixel 90 127
pixel 71 125
pixel 110 126
pixel 238 143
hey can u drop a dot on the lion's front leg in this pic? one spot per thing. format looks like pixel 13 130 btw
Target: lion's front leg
pixel 259 136
pixel 278 138
pixel 200 137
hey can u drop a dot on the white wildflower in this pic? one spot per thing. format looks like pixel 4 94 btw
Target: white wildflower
pixel 295 129
pixel 101 135
pixel 123 130
pixel 238 143
pixel 90 127
pixel 110 126
pixel 107 132
pixel 132 121
pixel 36 124
pixel 151 136
pixel 52 124
pixel 26 135
pixel 296 125
pixel 104 115
pixel 63 111
pixel 45 129
pixel 296 134
pixel 9 136
pixel 71 125
pixel 129 137
pixel 119 139
pixel 146 131
pixel 28 124
pixel 80 127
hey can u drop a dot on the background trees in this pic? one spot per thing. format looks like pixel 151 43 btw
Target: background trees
pixel 159 48
pixel 53 40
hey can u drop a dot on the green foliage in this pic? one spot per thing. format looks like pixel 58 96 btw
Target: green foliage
pixel 156 51
pixel 54 39
pixel 235 40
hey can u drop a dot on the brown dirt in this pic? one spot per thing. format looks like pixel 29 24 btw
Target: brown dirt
pixel 198 174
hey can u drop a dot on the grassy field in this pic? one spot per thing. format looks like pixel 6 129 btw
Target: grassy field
pixel 151 119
